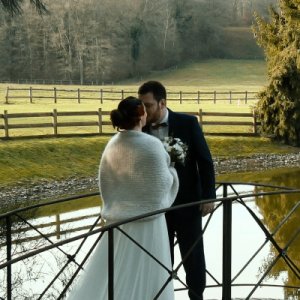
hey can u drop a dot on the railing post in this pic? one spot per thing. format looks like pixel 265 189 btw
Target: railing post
pixel 110 264
pixel 227 241
pixel 198 100
pixel 246 97
pixel 215 97
pixel 230 97
pixel 180 95
pixel 8 257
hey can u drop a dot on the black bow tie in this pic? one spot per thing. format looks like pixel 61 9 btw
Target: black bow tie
pixel 156 126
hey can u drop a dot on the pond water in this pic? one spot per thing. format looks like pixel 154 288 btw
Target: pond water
pixel 66 220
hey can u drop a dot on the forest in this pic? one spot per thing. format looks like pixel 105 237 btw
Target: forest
pixel 109 40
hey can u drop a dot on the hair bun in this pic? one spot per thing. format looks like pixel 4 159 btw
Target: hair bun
pixel 117 118
pixel 128 114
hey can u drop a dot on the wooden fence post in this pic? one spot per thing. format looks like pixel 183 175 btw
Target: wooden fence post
pixel 122 94
pixel 100 120
pixel 78 95
pixel 246 97
pixel 30 94
pixel 201 118
pixel 101 96
pixel 55 122
pixel 6 97
pixel 198 99
pixel 55 95
pixel 215 97
pixel 180 95
pixel 254 122
pixel 230 97
pixel 5 117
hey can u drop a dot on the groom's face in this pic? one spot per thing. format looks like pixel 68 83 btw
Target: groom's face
pixel 154 109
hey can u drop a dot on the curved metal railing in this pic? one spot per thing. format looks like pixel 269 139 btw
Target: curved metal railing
pixel 228 195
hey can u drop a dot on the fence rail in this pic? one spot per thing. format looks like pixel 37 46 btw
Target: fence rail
pixel 101 95
pixel 98 123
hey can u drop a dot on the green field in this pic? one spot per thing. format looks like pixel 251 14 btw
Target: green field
pixel 207 76
pixel 30 160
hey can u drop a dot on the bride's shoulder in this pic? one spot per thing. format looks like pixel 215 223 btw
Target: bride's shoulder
pixel 151 139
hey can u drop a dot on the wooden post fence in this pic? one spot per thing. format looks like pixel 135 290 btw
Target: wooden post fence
pixel 55 122
pixel 30 94
pixel 78 95
pixel 55 95
pixel 94 119
pixel 200 118
pixel 6 97
pixel 5 124
pixel 254 123
pixel 111 95
pixel 100 120
pixel 101 96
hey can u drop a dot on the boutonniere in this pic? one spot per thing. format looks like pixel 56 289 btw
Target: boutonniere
pixel 176 149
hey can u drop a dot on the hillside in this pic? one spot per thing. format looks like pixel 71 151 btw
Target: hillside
pixel 211 74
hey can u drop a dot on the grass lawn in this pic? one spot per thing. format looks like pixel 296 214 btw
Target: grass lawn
pixel 206 76
pixel 33 159
pixel 211 75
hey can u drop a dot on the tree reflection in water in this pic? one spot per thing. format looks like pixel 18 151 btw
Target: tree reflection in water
pixel 274 209
pixel 31 276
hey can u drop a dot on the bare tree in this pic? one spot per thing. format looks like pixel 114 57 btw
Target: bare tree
pixel 14 6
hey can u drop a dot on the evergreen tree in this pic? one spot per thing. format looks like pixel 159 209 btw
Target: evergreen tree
pixel 279 103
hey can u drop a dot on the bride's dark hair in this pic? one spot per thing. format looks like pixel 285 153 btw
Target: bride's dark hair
pixel 128 113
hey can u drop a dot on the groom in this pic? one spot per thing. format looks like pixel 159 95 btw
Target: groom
pixel 196 181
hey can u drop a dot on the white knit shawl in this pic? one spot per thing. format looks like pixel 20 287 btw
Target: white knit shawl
pixel 135 176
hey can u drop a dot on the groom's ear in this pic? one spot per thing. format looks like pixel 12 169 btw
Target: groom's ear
pixel 163 103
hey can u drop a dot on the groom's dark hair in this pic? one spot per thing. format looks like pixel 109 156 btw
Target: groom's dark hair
pixel 154 87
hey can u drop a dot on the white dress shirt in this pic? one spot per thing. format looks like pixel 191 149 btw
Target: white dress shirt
pixel 163 131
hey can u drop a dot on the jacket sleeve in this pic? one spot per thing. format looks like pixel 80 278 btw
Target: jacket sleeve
pixel 204 161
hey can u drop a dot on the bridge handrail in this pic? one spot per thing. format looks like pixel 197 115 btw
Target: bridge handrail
pixel 226 201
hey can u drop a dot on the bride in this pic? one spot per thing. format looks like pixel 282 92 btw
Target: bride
pixel 135 177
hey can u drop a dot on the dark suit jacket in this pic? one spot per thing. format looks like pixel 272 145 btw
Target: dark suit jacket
pixel 196 177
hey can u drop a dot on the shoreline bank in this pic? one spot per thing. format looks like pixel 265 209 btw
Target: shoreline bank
pixel 46 189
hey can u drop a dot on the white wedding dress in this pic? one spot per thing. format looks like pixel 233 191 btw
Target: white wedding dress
pixel 135 178
pixel 137 276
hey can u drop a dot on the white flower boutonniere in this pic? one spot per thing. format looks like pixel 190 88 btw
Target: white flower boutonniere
pixel 176 149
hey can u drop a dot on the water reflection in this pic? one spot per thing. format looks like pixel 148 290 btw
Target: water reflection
pixel 274 209
pixel 64 220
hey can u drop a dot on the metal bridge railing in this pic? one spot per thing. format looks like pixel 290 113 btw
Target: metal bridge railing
pixel 224 200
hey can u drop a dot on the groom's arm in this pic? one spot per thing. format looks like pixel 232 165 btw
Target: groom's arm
pixel 204 161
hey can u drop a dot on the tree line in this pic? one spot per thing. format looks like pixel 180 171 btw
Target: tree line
pixel 106 40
